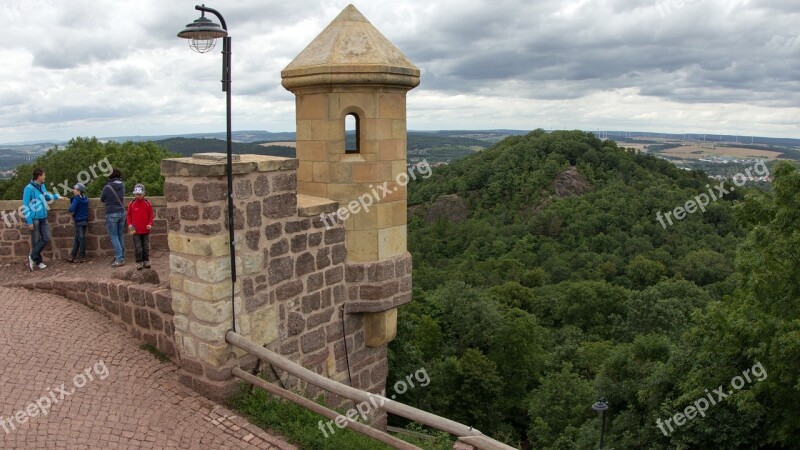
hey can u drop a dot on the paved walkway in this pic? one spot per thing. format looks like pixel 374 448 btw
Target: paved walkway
pixel 100 390
pixel 99 267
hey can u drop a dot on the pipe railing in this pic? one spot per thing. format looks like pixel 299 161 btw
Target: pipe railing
pixel 359 427
pixel 465 433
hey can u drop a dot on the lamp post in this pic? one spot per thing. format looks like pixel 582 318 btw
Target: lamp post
pixel 601 407
pixel 202 35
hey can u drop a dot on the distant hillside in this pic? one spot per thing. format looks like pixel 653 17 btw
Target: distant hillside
pixel 490 136
pixel 433 146
pixel 655 138
pixel 13 155
pixel 244 136
pixel 420 146
pixel 189 146
pixel 436 148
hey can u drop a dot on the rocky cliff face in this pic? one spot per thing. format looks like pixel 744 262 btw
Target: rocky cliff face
pixel 451 207
pixel 570 183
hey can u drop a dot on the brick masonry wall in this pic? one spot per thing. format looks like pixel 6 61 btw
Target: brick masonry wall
pixel 144 310
pixel 291 286
pixel 15 239
pixel 378 286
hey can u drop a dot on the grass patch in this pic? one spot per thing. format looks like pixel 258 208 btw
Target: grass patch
pixel 301 426
pixel 156 352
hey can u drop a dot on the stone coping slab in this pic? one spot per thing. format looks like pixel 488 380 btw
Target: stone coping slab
pixel 214 165
pixel 309 206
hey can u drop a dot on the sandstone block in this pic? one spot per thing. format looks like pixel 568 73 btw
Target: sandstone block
pixel 380 328
pixel 189 346
pixel 181 322
pixel 213 270
pixel 199 245
pixel 214 355
pixel 212 312
pixel 209 292
pixel 392 242
pixel 180 265
pixel 181 303
pixel 265 325
pixel 209 333
pixel 252 263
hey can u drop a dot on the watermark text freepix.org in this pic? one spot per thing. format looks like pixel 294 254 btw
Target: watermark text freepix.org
pixel 53 396
pixel 701 405
pixel 364 408
pixel 378 193
pixel 13 219
pixel 715 193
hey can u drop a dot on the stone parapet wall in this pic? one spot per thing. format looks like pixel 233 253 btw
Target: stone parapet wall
pixel 378 286
pixel 15 239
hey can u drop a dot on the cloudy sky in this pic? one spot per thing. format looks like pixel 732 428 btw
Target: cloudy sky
pixel 110 68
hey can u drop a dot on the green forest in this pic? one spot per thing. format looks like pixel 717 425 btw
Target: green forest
pixel 90 159
pixel 539 304
pixel 560 287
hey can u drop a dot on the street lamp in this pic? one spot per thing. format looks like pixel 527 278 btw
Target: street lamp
pixel 202 35
pixel 601 407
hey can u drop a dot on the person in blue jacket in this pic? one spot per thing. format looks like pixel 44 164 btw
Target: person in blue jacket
pixel 35 203
pixel 80 214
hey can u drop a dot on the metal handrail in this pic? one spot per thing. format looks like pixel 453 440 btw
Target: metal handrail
pixel 473 436
pixel 358 427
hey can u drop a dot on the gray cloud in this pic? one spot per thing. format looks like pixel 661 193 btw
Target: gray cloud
pixel 587 63
pixel 732 52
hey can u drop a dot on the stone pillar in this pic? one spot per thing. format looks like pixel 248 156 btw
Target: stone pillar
pixel 203 296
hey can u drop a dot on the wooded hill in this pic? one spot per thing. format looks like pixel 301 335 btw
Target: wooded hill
pixel 548 283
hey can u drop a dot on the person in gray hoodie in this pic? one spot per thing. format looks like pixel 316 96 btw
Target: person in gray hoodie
pixel 113 197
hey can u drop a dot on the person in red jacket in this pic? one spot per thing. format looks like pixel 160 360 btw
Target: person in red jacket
pixel 140 221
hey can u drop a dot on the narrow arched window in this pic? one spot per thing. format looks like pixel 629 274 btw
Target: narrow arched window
pixel 352 134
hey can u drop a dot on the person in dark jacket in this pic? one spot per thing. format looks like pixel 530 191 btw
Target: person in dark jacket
pixel 80 215
pixel 140 221
pixel 113 196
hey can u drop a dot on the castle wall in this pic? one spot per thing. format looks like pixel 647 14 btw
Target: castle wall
pixel 291 293
pixel 15 239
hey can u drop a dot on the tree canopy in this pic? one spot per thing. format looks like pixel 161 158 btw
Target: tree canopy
pixel 562 296
pixel 88 159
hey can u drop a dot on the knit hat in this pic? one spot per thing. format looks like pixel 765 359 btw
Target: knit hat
pixel 80 187
pixel 138 189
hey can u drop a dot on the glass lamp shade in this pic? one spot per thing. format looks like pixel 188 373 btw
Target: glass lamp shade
pixel 202 34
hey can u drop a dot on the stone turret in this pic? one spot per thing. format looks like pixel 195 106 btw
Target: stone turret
pixel 351 69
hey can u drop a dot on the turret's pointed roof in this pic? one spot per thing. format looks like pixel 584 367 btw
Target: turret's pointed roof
pixel 345 52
